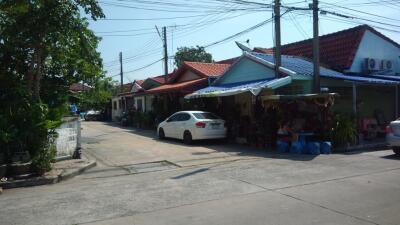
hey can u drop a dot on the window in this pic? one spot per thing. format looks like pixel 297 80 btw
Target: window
pixel 139 105
pixel 115 105
pixel 174 118
pixel 184 117
pixel 210 116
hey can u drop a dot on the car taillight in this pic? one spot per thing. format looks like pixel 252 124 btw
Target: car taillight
pixel 200 124
pixel 388 129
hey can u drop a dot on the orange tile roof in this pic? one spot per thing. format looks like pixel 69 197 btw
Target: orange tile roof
pixel 208 69
pixel 184 87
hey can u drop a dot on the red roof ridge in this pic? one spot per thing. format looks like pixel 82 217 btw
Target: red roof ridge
pixel 337 49
pixel 175 86
pixel 205 63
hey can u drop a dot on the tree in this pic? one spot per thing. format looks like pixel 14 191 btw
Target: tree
pixel 45 46
pixel 42 39
pixel 192 54
pixel 98 96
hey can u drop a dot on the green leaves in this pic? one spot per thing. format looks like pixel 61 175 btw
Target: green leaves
pixel 344 130
pixel 192 54
pixel 45 46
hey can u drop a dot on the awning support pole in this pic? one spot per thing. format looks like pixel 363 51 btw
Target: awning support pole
pixel 397 101
pixel 354 98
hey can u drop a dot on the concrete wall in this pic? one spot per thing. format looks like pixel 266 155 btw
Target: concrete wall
pixel 296 87
pixel 369 98
pixel 374 46
pixel 69 137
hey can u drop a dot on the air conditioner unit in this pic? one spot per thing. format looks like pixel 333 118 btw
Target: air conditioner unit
pixel 386 65
pixel 371 64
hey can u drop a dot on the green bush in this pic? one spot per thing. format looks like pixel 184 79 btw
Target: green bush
pixel 26 125
pixel 344 131
pixel 41 162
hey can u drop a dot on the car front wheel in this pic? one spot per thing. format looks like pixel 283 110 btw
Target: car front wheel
pixel 396 150
pixel 161 134
pixel 187 138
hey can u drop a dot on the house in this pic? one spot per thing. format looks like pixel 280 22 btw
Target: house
pixel 77 88
pixel 250 84
pixel 135 96
pixel 143 101
pixel 124 100
pixel 346 51
pixel 361 52
pixel 190 77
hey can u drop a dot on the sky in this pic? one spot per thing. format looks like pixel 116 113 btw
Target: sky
pixel 130 28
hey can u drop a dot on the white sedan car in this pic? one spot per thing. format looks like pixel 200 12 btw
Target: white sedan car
pixel 192 125
pixel 393 136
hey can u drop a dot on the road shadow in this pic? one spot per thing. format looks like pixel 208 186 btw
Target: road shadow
pixel 392 157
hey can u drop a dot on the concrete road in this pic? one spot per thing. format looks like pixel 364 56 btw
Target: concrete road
pixel 210 183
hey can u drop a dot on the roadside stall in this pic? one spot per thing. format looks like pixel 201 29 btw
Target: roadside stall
pixel 300 119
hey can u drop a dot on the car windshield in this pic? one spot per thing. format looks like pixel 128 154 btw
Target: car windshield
pixel 205 116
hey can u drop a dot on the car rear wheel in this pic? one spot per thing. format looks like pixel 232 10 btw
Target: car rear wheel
pixel 161 134
pixel 187 138
pixel 396 150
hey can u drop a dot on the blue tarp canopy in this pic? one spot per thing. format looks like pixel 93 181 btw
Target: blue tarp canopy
pixel 255 87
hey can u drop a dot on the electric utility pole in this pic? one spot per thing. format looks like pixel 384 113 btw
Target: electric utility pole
pixel 165 54
pixel 277 52
pixel 122 73
pixel 317 88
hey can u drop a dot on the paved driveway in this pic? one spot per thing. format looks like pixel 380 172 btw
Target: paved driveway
pixel 113 145
pixel 253 188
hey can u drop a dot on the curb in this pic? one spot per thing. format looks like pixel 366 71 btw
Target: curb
pixel 70 174
pixel 36 181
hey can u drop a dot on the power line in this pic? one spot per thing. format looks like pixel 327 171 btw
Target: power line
pixel 359 11
pixel 140 68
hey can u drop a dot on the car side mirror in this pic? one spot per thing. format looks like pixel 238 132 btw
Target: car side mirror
pixel 169 120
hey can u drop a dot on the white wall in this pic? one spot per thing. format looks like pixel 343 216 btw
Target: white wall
pixel 69 136
pixel 374 46
pixel 116 112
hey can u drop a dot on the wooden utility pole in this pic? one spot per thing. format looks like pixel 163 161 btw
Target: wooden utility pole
pixel 122 72
pixel 277 52
pixel 317 87
pixel 165 54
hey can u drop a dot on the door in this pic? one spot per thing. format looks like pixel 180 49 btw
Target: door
pixel 181 125
pixel 170 128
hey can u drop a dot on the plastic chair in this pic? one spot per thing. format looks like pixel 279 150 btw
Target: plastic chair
pixel 282 146
pixel 296 148
pixel 313 148
pixel 326 147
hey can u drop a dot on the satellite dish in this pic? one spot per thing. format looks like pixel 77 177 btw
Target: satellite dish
pixel 243 47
